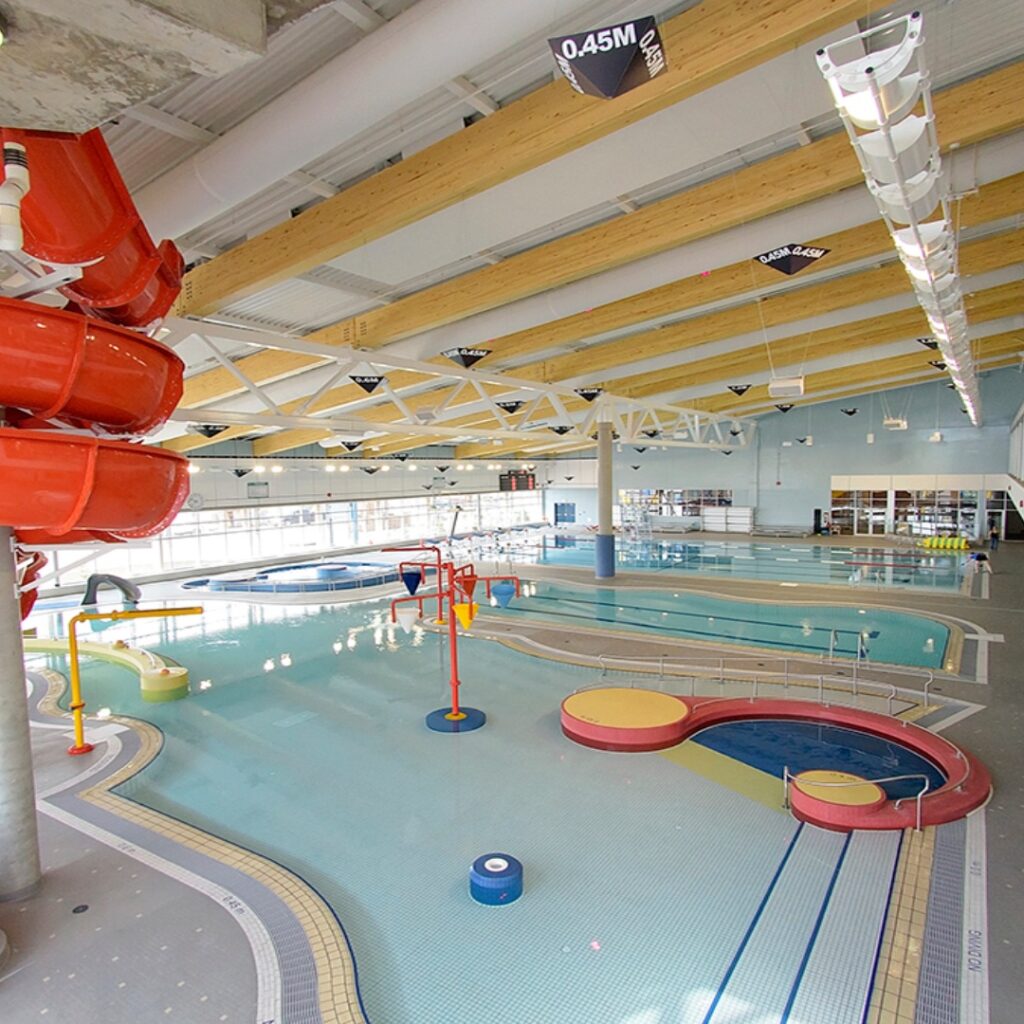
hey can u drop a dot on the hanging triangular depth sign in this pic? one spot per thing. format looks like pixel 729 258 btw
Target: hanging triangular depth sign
pixel 351 445
pixel 510 407
pixel 739 389
pixel 367 382
pixel 589 394
pixel 466 357
pixel 608 62
pixel 792 258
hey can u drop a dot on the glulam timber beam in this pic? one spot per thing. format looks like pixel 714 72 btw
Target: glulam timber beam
pixel 705 45
pixel 992 202
pixel 776 310
pixel 994 353
pixel 866 372
pixel 989 253
pixel 976 110
pixel 729 367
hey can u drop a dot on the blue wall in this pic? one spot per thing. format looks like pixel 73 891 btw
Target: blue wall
pixel 785 483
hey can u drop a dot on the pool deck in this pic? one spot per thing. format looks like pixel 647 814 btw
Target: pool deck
pixel 110 963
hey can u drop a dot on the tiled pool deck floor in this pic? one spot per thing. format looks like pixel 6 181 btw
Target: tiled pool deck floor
pixel 186 957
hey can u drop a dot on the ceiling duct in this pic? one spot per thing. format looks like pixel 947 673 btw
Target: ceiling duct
pixel 786 387
pixel 432 42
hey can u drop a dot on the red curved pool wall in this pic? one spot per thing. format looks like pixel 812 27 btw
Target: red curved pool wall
pixel 968 783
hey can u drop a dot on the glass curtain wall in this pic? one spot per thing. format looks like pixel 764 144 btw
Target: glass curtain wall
pixel 231 535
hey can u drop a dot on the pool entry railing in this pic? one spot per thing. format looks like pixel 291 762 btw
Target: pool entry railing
pixel 788 778
pixel 857 687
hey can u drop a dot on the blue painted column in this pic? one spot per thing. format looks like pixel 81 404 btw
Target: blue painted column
pixel 605 553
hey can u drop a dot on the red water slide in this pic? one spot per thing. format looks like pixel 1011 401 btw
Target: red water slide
pixel 73 380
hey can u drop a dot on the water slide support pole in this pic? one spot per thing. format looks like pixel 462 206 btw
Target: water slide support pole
pixel 20 872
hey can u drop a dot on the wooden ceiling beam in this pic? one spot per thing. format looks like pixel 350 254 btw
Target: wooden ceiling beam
pixel 705 45
pixel 976 257
pixel 786 307
pixel 793 352
pixel 924 376
pixel 384 414
pixel 285 440
pixel 865 372
pixel 993 202
pixel 984 107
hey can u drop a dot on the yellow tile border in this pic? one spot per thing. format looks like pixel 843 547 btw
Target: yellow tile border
pixel 894 995
pixel 335 968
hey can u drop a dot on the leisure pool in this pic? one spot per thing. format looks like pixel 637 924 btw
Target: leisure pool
pixel 304 740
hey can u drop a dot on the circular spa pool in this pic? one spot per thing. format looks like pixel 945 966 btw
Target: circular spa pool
pixel 770 745
pixel 302 578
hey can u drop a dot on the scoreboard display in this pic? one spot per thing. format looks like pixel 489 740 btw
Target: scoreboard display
pixel 517 480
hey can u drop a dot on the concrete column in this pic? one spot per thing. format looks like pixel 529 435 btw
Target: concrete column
pixel 19 840
pixel 605 555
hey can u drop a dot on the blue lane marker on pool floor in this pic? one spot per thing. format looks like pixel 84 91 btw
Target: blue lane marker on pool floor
pixel 788 1009
pixel 753 924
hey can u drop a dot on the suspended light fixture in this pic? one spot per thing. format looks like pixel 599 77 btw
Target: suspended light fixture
pixel 884 98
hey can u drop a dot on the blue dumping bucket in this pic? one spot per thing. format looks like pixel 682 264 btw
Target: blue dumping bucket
pixel 503 591
pixel 412 578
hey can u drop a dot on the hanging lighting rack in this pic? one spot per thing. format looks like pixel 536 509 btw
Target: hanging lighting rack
pixel 878 95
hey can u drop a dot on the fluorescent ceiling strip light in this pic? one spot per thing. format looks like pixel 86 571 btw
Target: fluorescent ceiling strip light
pixel 898 150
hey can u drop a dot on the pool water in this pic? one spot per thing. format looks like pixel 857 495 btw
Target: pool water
pixel 799 563
pixel 772 744
pixel 883 636
pixel 304 739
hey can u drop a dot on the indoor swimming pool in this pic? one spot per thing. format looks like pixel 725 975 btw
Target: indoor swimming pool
pixel 844 631
pixel 805 563
pixel 651 893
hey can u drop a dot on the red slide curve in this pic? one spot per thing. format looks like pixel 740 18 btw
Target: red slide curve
pixel 67 377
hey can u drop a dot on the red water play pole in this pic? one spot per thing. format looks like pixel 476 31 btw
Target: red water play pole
pixel 444 570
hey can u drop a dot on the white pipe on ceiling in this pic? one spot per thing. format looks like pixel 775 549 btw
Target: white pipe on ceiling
pixel 421 49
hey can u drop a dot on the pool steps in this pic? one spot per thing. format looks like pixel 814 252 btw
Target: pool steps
pixel 809 953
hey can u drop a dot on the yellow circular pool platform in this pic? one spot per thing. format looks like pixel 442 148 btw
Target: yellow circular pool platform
pixel 624 718
pixel 840 788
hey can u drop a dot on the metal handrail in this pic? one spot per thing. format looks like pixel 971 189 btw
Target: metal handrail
pixel 787 777
pixel 888 692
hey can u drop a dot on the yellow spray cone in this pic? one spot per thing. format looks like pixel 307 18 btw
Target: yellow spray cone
pixel 466 613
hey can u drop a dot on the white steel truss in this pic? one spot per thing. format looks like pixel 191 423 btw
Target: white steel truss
pixel 481 392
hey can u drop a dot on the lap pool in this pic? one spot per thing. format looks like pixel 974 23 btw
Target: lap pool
pixel 807 563
pixel 304 740
pixel 884 636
